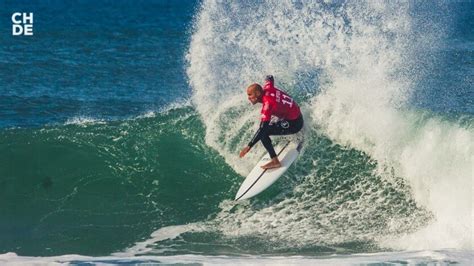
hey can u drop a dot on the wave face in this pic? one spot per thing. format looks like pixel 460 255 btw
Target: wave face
pixel 95 187
pixel 375 170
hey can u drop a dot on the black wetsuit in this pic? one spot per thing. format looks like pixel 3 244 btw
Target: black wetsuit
pixel 281 127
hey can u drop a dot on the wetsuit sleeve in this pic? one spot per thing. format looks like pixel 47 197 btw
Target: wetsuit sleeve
pixel 262 130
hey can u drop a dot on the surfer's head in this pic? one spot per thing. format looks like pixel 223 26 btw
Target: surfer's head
pixel 255 93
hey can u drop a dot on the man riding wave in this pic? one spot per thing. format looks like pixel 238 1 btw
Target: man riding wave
pixel 275 103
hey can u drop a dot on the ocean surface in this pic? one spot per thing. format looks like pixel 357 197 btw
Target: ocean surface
pixel 121 123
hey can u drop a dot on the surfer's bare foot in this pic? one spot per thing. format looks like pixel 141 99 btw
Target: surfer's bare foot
pixel 274 163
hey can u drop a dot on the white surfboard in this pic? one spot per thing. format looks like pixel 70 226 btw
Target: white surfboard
pixel 260 179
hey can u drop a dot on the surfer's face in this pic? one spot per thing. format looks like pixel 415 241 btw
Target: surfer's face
pixel 253 95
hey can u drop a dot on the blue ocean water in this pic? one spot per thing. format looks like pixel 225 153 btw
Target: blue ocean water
pixel 101 59
pixel 447 87
pixel 121 122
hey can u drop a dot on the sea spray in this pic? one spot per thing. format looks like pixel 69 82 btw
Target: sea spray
pixel 353 66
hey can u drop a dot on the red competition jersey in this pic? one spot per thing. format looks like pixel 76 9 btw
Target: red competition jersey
pixel 278 103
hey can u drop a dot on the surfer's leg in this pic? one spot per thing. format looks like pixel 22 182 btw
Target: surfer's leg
pixel 274 163
pixel 267 143
pixel 281 127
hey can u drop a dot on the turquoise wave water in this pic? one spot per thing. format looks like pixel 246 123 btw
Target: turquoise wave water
pixel 97 187
pixel 94 187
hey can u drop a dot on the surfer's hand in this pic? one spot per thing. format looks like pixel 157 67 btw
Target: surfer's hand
pixel 244 151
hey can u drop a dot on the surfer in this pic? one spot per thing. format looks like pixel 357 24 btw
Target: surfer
pixel 281 115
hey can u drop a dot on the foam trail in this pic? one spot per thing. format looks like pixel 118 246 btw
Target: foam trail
pixel 352 66
pixel 169 232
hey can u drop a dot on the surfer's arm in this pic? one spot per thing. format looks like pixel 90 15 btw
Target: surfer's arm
pixel 262 130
